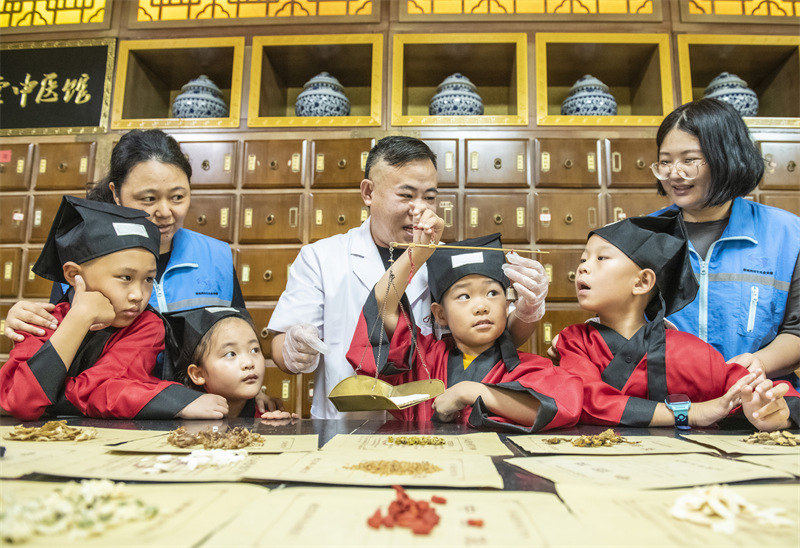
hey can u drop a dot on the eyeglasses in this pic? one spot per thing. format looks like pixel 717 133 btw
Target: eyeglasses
pixel 687 171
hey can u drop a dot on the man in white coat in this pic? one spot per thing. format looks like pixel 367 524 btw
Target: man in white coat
pixel 331 278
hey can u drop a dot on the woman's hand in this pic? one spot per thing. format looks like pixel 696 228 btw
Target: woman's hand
pixel 749 361
pixel 764 405
pixel 29 317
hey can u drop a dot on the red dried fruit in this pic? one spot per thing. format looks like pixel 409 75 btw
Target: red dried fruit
pixel 374 521
pixel 436 499
pixel 475 522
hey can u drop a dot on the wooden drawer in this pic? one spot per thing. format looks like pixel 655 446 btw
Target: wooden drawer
pixel 45 207
pixel 561 266
pixel 279 384
pixel 567 163
pixel 554 320
pixel 15 166
pixel 446 151
pixel 782 165
pixel 339 163
pixel 13 216
pixel 63 166
pixel 447 209
pixel 5 343
pixel 335 212
pixel 497 163
pixel 10 268
pixel 273 164
pixel 629 163
pixel 503 213
pixel 213 163
pixel 271 218
pixel 565 217
pixel 213 215
pixel 790 201
pixel 621 205
pixel 263 272
pixel 33 285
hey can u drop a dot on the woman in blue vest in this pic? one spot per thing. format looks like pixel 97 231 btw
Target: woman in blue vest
pixel 148 171
pixel 745 255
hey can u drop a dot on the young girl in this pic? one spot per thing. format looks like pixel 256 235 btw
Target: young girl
pixel 220 355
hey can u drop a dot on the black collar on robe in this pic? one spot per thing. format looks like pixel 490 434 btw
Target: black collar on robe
pixel 650 341
pixel 502 350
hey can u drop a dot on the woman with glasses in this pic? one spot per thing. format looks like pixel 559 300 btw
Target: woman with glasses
pixel 744 254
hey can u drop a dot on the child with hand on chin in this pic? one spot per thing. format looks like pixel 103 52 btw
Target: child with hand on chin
pixel 488 383
pixel 636 372
pixel 221 356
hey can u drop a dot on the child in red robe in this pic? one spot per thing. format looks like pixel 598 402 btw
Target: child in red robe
pixel 636 372
pixel 488 383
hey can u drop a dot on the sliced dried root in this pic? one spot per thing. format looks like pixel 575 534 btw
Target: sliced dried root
pixel 51 431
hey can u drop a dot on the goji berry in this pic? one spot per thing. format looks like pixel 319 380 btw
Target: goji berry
pixel 438 500
pixel 475 522
pixel 375 520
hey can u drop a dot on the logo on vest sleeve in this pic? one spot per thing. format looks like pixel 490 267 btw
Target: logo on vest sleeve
pixel 762 272
pixel 205 286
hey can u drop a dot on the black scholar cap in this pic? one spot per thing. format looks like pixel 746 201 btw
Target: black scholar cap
pixel 659 243
pixel 86 229
pixel 447 266
pixel 190 326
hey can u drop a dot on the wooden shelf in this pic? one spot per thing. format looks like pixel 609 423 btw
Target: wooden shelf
pixel 495 62
pixel 769 64
pixel 280 66
pixel 150 73
pixel 636 68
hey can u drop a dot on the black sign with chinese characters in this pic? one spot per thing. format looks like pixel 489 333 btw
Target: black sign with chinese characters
pixel 59 85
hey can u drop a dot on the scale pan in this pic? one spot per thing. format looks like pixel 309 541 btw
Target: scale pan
pixel 365 393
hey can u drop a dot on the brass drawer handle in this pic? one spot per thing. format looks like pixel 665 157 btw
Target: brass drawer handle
pixel 201 219
pixel 616 162
pixel 268 275
pixel 342 163
pixel 640 163
pixel 568 219
pixel 2 168
pixel 205 165
pixel 62 167
pixel 17 217
pixel 498 219
pixel 341 219
pixel 264 333
pixel 498 163
pixel 571 275
pixel 791 166
pixel 567 163
pixel 294 214
pixel 273 165
pixel 270 219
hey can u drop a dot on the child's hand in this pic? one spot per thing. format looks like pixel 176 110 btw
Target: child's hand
pixel 708 412
pixel 764 405
pixel 92 305
pixel 207 406
pixel 454 399
pixel 271 408
pixel 428 226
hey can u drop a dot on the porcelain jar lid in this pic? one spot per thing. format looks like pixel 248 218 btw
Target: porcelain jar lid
pixel 322 91
pixel 326 79
pixel 587 81
pixel 203 82
pixel 725 79
pixel 456 79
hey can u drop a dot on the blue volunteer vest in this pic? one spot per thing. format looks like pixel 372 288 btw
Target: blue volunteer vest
pixel 199 273
pixel 744 279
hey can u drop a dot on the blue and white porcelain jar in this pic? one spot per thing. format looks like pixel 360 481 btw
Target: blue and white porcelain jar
pixel 589 97
pixel 456 96
pixel 732 89
pixel 323 95
pixel 200 98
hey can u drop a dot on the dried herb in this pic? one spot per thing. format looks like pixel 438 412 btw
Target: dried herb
pixel 415 440
pixel 782 437
pixel 607 438
pixel 395 467
pixel 50 431
pixel 212 438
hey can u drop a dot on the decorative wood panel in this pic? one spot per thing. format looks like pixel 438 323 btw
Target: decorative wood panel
pixel 492 10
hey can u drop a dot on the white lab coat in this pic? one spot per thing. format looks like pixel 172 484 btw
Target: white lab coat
pixel 328 284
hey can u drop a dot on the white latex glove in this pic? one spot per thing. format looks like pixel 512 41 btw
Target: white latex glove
pixel 530 282
pixel 302 347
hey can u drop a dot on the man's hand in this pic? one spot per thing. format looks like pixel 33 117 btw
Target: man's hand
pixel 764 405
pixel 530 282
pixel 302 348
pixel 207 406
pixel 92 305
pixel 428 226
pixel 29 317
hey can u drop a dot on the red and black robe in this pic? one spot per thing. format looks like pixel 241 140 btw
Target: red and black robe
pixel 110 377
pixel 624 380
pixel 399 361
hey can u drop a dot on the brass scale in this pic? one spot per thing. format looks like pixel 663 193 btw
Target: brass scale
pixel 367 393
